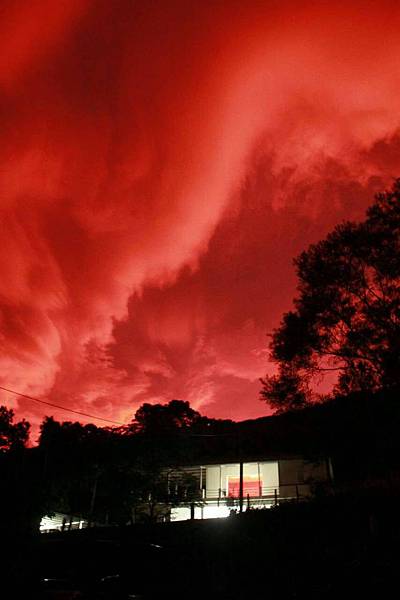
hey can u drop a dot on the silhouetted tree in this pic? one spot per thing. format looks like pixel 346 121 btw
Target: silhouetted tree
pixel 112 475
pixel 76 458
pixel 101 474
pixel 21 498
pixel 164 418
pixel 12 435
pixel 347 312
pixel 286 390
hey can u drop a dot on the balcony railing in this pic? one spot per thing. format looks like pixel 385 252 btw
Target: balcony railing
pixel 267 493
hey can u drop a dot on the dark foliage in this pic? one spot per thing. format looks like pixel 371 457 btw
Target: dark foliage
pixel 346 316
pixel 12 435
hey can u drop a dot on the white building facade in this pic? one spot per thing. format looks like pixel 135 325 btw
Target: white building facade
pixel 228 487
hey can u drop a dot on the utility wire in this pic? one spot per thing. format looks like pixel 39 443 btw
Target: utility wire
pixel 83 414
pixel 77 412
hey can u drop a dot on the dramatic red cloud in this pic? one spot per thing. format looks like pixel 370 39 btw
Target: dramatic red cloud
pixel 161 164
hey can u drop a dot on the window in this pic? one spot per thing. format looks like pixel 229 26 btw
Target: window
pixel 251 486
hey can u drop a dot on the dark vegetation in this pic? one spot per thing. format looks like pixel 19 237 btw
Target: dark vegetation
pixel 103 475
pixel 120 477
pixel 346 319
pixel 346 315
pixel 347 538
pixel 335 546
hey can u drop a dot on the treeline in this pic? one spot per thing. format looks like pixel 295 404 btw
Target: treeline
pixel 118 476
pixel 103 475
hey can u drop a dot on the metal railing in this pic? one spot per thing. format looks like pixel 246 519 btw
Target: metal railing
pixel 275 493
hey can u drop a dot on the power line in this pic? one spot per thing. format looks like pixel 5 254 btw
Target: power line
pixel 83 414
pixel 77 412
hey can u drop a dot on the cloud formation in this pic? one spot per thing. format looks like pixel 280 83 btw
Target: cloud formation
pixel 161 164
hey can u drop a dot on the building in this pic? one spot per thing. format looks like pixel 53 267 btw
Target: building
pixel 238 486
pixel 61 522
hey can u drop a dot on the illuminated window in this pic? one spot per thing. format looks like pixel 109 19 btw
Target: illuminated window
pixel 251 486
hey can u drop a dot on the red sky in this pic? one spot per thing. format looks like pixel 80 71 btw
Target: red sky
pixel 162 162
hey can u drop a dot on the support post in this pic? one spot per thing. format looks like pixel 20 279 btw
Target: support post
pixel 241 486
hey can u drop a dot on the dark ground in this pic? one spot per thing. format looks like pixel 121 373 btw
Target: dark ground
pixel 343 544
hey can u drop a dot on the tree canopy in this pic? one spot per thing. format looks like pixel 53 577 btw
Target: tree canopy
pixel 346 316
pixel 165 418
pixel 116 475
pixel 177 416
pixel 12 435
